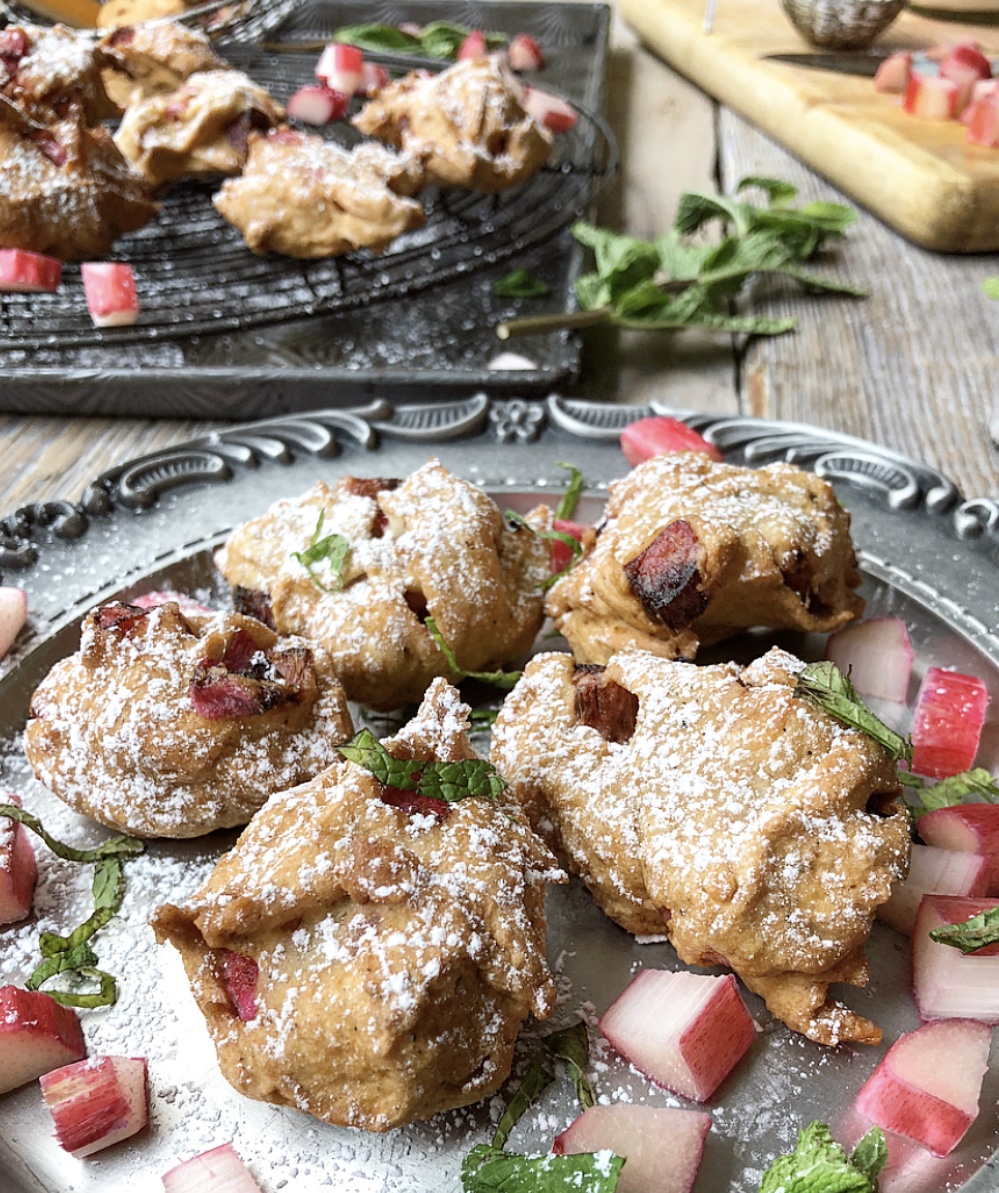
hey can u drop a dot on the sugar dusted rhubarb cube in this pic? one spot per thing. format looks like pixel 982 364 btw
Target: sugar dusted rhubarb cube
pixel 37 1035
pixel 112 298
pixel 218 1170
pixel 97 1102
pixel 947 722
pixel 18 871
pixel 22 272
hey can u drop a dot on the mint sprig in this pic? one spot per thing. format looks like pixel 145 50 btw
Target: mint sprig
pixel 819 1165
pixel 825 686
pixel 507 680
pixel 949 792
pixel 333 550
pixel 972 934
pixel 439 39
pixel 449 781
pixel 679 281
pixel 561 536
pixel 572 1046
pixel 73 954
pixel 570 498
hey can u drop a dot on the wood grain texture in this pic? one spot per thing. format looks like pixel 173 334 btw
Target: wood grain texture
pixel 920 176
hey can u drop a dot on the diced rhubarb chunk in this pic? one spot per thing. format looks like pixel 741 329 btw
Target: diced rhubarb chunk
pixel 373 78
pixel 219 1170
pixel 240 974
pixel 981 118
pixel 973 828
pixel 877 655
pixel 22 272
pixel 36 1036
pixel 13 615
pixel 524 54
pixel 685 1031
pixel 893 74
pixel 474 46
pixel 654 436
pixel 161 596
pixel 930 97
pixel 562 554
pixel 947 722
pixel 18 871
pixel 317 104
pixel 932 871
pixel 97 1102
pixel 662 1146
pixel 929 1082
pixel 341 68
pixel 947 983
pixel 112 298
pixel 550 111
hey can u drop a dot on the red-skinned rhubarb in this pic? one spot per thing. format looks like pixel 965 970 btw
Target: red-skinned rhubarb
pixel 36 1036
pixel 932 871
pixel 685 1031
pixel 947 722
pixel 112 298
pixel 22 272
pixel 877 655
pixel 524 54
pixel 13 614
pixel 973 828
pixel 18 871
pixel 658 434
pixel 892 75
pixel 219 1170
pixel 662 1146
pixel 340 67
pixel 98 1102
pixel 928 1084
pixel 929 97
pixel 550 111
pixel 947 983
pixel 318 104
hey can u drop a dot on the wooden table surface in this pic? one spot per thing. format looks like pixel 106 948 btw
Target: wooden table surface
pixel 914 366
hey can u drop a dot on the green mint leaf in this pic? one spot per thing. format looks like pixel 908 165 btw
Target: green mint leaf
pixel 486 1170
pixel 622 261
pixel 378 37
pixel 572 1046
pixel 819 1165
pixel 592 292
pixel 813 281
pixel 535 1082
pixel 521 283
pixel 442 39
pixel 779 193
pixel 450 781
pixel 949 792
pixel 871 1155
pixel 113 847
pixel 333 550
pixel 694 210
pixel 990 288
pixel 570 498
pixel 679 260
pixel 971 935
pixel 485 716
pixel 830 690
pixel 499 679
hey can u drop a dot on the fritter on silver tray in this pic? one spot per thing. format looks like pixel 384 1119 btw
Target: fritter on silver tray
pixel 691 551
pixel 201 130
pixel 166 724
pixel 466 126
pixel 714 804
pixel 307 197
pixel 115 13
pixel 145 60
pixel 367 953
pixel 65 189
pixel 51 71
pixel 362 566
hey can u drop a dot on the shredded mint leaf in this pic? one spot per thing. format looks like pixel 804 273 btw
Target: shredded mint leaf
pixel 830 690
pixel 378 37
pixel 819 1165
pixel 971 935
pixel 113 847
pixel 572 1046
pixel 562 536
pixel 777 192
pixel 950 792
pixel 499 679
pixel 333 549
pixel 486 1170
pixel 521 283
pixel 450 781
pixel 990 288
pixel 570 498
pixel 537 1080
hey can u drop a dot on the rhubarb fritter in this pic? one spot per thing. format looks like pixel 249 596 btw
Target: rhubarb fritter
pixel 200 130
pixel 716 805
pixel 50 72
pixel 368 954
pixel 166 724
pixel 145 60
pixel 307 197
pixel 361 567
pixel 466 126
pixel 691 551
pixel 65 190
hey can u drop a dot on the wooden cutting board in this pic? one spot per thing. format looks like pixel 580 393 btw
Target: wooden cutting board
pixel 921 177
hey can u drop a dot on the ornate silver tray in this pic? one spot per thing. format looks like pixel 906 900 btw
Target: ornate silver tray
pixel 927 555
pixel 223 332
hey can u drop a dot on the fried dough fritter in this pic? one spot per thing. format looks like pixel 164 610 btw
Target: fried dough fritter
pixel 198 131
pixel 389 950
pixel 307 197
pixel 51 72
pixel 712 803
pixel 145 60
pixel 691 552
pixel 116 13
pixel 166 725
pixel 466 126
pixel 65 190
pixel 432 545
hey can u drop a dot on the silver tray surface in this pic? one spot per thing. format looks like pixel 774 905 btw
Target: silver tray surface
pixel 927 555
pixel 225 333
